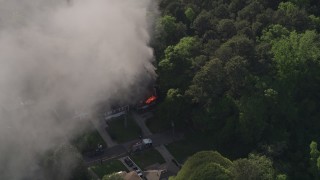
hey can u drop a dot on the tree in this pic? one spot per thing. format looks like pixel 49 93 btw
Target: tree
pixel 235 6
pixel 211 171
pixel 174 108
pixel 250 12
pixel 252 168
pixel 236 72
pixel 274 33
pixel 226 28
pixel 221 11
pixel 290 16
pixel 176 9
pixel 252 76
pixel 203 23
pixel 301 3
pixel 211 165
pixel 244 27
pixel 315 159
pixel 281 177
pixel 208 83
pixel 238 45
pixel 292 53
pixel 205 165
pixel 253 118
pixel 190 14
pixel 168 32
pixel 177 63
pixel 315 22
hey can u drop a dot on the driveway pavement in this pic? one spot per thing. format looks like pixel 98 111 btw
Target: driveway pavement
pixel 140 120
pixel 100 125
pixel 122 149
pixel 167 156
pixel 115 150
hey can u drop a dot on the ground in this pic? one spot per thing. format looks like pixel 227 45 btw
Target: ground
pixel 193 143
pixel 147 157
pixel 136 127
pixel 156 125
pixel 108 167
pixel 120 133
pixel 89 141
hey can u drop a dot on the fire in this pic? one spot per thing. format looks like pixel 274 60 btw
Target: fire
pixel 151 99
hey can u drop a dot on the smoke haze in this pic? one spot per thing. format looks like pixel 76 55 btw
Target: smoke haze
pixel 58 57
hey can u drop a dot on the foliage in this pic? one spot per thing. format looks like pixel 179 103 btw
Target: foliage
pixel 281 177
pixel 315 160
pixel 190 14
pixel 172 109
pixel 177 63
pixel 212 165
pixel 245 73
pixel 253 167
pixel 292 53
pixel 205 165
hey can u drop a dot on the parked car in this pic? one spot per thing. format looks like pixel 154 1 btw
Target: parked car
pixel 139 173
pixel 141 145
pixel 128 162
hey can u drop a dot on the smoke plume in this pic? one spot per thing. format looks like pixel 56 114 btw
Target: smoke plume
pixel 58 57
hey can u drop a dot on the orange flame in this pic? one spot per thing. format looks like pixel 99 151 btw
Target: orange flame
pixel 151 99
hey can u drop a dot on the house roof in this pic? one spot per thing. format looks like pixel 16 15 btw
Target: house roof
pixel 132 176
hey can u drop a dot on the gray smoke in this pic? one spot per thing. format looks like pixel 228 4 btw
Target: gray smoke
pixel 58 57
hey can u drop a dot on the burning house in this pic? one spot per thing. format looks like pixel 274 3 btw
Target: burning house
pixel 148 102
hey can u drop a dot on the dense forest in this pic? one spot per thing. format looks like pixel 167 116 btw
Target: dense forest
pixel 247 74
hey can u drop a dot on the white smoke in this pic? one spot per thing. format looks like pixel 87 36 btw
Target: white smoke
pixel 59 56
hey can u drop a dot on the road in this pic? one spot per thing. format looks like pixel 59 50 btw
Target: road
pixel 120 150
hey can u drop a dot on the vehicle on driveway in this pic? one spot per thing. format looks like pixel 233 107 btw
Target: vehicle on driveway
pixel 128 162
pixel 139 172
pixel 141 145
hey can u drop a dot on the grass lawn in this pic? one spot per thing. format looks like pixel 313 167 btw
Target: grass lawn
pixel 108 167
pixel 157 125
pixel 88 141
pixel 147 157
pixel 193 143
pixel 120 133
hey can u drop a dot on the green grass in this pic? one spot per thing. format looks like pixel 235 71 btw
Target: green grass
pixel 120 133
pixel 88 141
pixel 156 125
pixel 147 157
pixel 193 143
pixel 108 167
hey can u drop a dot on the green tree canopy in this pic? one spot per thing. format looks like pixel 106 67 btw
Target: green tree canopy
pixel 205 165
pixel 293 52
pixel 178 63
pixel 168 32
pixel 253 167
pixel 190 14
pixel 208 83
